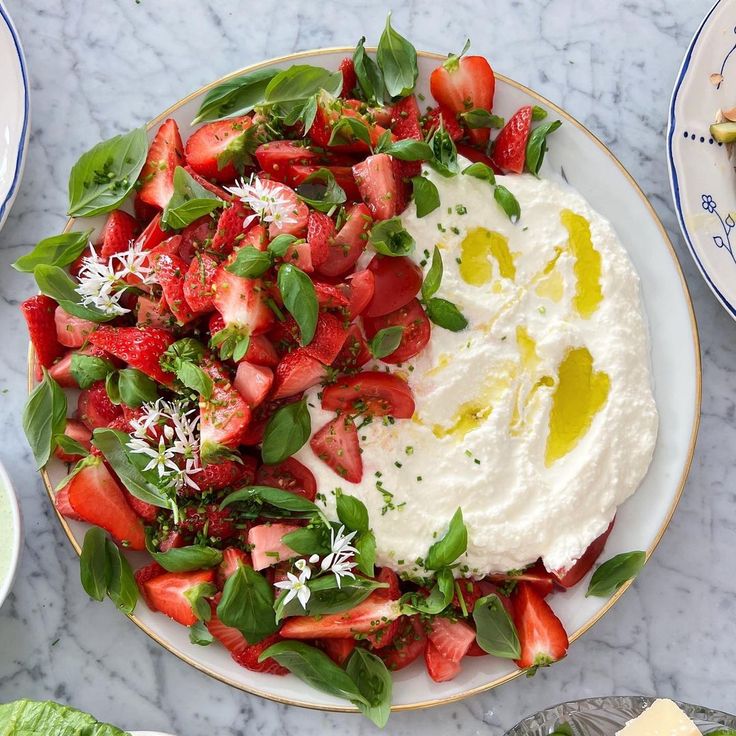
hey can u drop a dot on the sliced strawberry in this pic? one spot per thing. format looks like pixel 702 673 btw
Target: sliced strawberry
pixel 349 242
pixel 541 634
pixel 295 212
pixel 343 176
pixel 439 667
pixel 266 546
pixel 154 313
pixel 78 432
pixel 232 559
pixel 215 523
pixel 166 593
pixel 349 78
pixel 170 271
pixel 509 148
pixel 39 312
pixel 144 574
pixel 396 282
pixel 231 228
pixel 338 650
pixel 297 372
pixel 354 354
pixel 209 186
pixel 417 330
pixel 329 337
pixel 196 237
pixel 288 475
pixel 442 116
pixel 94 495
pixel 374 613
pixel 146 511
pixel 61 501
pixel 226 474
pixel 152 236
pixel 300 254
pixel 118 234
pixel 207 148
pixel 362 288
pixel 377 184
pixel 462 84
pixel 476 155
pixel 172 540
pixel 375 393
pixel 94 407
pixel 385 637
pixel 452 638
pixel 470 592
pixel 243 303
pixel 144 213
pixel 320 231
pixel 141 348
pixel 253 382
pixel 573 575
pixel 408 644
pixel 198 282
pixel 276 157
pixel 405 119
pixel 164 155
pixel 331 296
pixel 336 444
pixel 536 575
pixel 262 352
pixel 71 331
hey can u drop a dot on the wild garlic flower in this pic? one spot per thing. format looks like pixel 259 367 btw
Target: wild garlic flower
pixel 297 586
pixel 269 201
pixel 340 560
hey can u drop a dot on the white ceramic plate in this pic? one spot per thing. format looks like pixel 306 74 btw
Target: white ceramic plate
pixel 14 113
pixel 9 501
pixel 588 166
pixel 702 175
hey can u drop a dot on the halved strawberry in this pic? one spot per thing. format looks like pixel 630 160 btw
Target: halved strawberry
pixel 164 155
pixel 214 149
pixel 536 575
pixel 94 407
pixel 231 228
pixel 349 242
pixel 166 593
pixel 463 83
pixel 154 313
pixel 354 354
pixel 396 281
pixel 170 271
pixel 405 119
pixel 374 613
pixel 276 157
pixel 343 176
pixel 243 303
pixel 267 547
pixel 452 638
pixel 253 382
pixel 146 511
pixel 61 501
pixel 227 474
pixel 196 237
pixel 349 78
pixel 362 288
pixel 118 234
pixel 232 558
pixel 39 312
pixel 443 116
pixel 320 230
pixel 331 296
pixel 542 636
pixel 408 644
pixel 140 347
pixel 144 574
pixel 71 331
pixel 288 475
pixel 509 148
pixel 329 337
pixel 297 372
pixel 152 236
pixel 261 352
pixel 198 282
pixel 573 575
pixel 377 184
pixel 78 432
pixel 336 444
pixel 97 498
pixel 300 254
pixel 439 667
pixel 338 650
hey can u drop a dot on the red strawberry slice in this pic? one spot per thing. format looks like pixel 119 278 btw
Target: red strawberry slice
pixel 385 637
pixel 541 634
pixel 409 643
pixel 226 474
pixel 320 230
pixel 78 432
pixel 262 352
pixel 170 271
pixel 443 116
pixel 405 119
pixel 349 78
pixel 154 313
pixel 141 348
pixel 300 254
pixel 329 337
pixel 166 593
pixel 338 650
pixel 205 148
pixel 378 186
pixel 253 382
pixel 61 501
pixel 196 237
pixel 331 296
pixel 509 148
pixel 96 497
pixel 39 312
pixel 232 559
pixel 288 475
pixel 198 282
pixel 396 282
pixel 94 407
pixel 276 157
pixel 374 393
pixel 295 212
pixel 451 638
pixel 416 334
pixel 362 288
pixel 152 236
pixel 462 84
pixel 470 592
pixel 336 444
pixel 297 372
pixel 144 574
pixel 476 155
pixel 439 667
pixel 354 354
pixel 118 234
pixel 536 575
pixel 146 511
pixel 349 242
pixel 266 546
pixel 573 575
pixel 144 213
pixel 164 155
pixel 230 228
pixel 210 520
pixel 209 186
pixel 343 176
pixel 71 331
pixel 243 303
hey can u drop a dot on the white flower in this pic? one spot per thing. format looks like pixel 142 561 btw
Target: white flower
pixel 339 560
pixel 271 203
pixel 297 586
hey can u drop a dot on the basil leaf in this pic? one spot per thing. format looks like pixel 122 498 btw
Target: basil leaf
pixel 365 544
pixel 538 113
pixel 508 202
pixel 187 349
pixel 477 117
pixel 57 284
pixel 199 634
pixel 314 667
pixel 275 497
pixel 197 597
pixel 440 596
pixel 123 590
pixel 496 633
pixel 321 191
pixel 236 96
pixel 247 604
pixel 426 196
pixel 70 446
pixel 409 150
pixel 193 377
pixel 300 82
pixel 94 564
pixel 286 432
pixel 389 238
pixel 536 146
pixel 613 573
pixel 135 387
pixel 480 171
pixel 397 59
pixel 300 112
pixel 240 151
pixel 189 201
pixel 308 540
pixel 444 153
pixel 375 683
pixel 347 129
pixel 352 513
pixel 105 175
pixel 446 314
pixel 59 250
pixel 300 299
pixel 385 341
pixel 128 466
pixel 44 417
pixel 369 75
pixel 250 263
pixel 186 559
pixel 88 369
pixel 433 279
pixel 280 244
pixel 446 550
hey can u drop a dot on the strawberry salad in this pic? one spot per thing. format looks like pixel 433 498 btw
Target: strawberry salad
pixel 245 281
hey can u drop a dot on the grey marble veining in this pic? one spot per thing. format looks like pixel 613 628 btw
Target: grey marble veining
pixel 99 68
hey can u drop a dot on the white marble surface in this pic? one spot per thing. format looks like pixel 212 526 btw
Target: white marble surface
pixel 99 68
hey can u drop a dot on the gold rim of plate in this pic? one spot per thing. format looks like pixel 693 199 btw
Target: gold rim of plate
pixel 681 484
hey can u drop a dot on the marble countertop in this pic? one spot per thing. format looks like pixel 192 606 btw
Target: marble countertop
pixel 100 68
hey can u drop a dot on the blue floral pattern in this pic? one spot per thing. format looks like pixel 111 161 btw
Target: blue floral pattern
pixel 727 225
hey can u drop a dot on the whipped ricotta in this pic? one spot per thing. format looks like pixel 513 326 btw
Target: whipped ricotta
pixel 538 419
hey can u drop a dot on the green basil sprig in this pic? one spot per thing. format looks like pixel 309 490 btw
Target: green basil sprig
pixel 426 195
pixel 433 279
pixel 347 130
pixel 496 633
pixel 369 75
pixel 508 202
pixel 197 597
pixel 321 191
pixel 189 201
pixel 56 283
pixel 44 418
pixel 200 635
pixel 186 559
pixel 446 550
pixel 375 683
pixel 405 150
pixel 389 238
pixel 131 387
pixel 444 153
pixel 71 446
pixel 183 358
pixel 397 59
pixel 300 299
pixel 440 596
pixel 88 369
pixel 354 515
pixel 252 263
pixel 613 573
pixel 385 341
pixel 240 150
pixel 441 311
pixel 536 145
pixel 291 503
pixel 58 250
pixel 236 96
pixel 104 176
pixel 247 604
pixel 477 117
pixel 309 540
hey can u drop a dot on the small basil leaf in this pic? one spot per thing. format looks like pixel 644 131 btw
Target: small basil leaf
pixel 446 314
pixel 88 369
pixel 352 513
pixel 385 341
pixel 496 633
pixel 389 238
pixel 397 59
pixel 193 377
pixel 508 202
pixel 186 559
pixel 369 75
pixel 480 118
pixel 275 497
pixel 300 299
pixel 187 349
pixel 199 634
pixel 440 596
pixel 104 176
pixel 189 202
pixel 409 150
pixel 300 82
pixel 94 564
pixel 197 596
pixel 280 244
pixel 321 191
pixel 70 446
pixel 44 417
pixel 480 171
pixel 375 683
pixel 59 250
pixel 308 541
pixel 613 573
pixel 365 544
pixel 112 388
pixel 236 96
pixel 135 388
pixel 347 130
pixel 433 279
pixel 538 113
pixel 57 284
pixel 446 550
pixel 536 146
pixel 250 263
pixel 426 196
pixel 247 604
pixel 123 590
pixel 444 153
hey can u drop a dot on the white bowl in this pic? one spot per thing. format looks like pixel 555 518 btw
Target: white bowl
pixel 642 520
pixel 16 536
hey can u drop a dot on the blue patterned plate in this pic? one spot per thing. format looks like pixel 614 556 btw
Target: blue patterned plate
pixel 702 172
